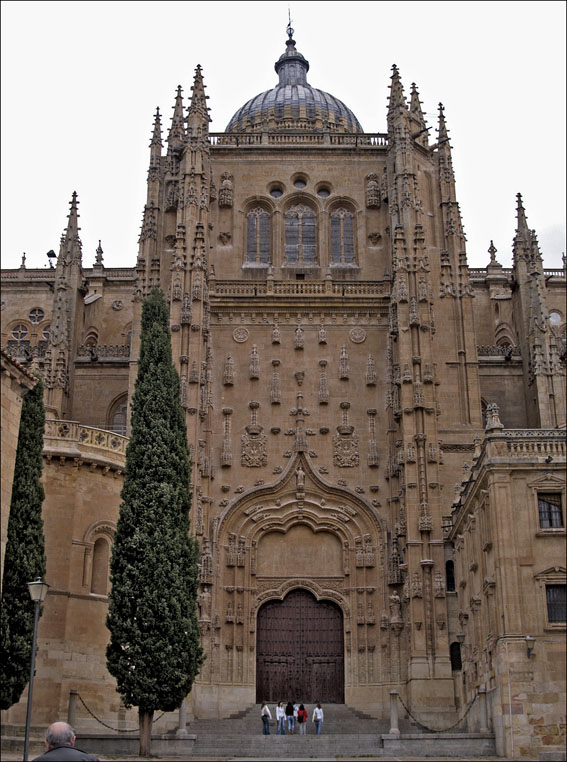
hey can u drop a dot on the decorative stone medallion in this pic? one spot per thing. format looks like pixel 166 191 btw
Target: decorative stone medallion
pixel 357 335
pixel 240 334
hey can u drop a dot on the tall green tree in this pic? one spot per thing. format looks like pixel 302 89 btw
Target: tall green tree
pixel 24 559
pixel 154 651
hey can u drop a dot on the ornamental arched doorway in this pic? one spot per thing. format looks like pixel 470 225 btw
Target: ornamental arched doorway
pixel 300 650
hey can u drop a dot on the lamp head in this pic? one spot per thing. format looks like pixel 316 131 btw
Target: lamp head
pixel 530 644
pixel 38 590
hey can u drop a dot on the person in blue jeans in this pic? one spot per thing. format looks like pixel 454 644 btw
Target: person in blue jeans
pixel 290 718
pixel 318 719
pixel 266 717
pixel 280 720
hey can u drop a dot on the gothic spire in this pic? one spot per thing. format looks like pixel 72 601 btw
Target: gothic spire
pixel 71 248
pixel 177 129
pixel 156 135
pixel 397 100
pixel 525 241
pixel 198 112
pixel 443 133
pixel 419 126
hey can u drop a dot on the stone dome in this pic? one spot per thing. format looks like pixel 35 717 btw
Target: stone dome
pixel 293 105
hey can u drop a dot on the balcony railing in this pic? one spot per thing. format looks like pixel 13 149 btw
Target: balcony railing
pixel 72 439
pixel 246 288
pixel 335 139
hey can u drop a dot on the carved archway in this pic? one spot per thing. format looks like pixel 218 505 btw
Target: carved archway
pixel 254 541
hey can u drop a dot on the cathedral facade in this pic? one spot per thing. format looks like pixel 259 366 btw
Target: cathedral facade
pixel 377 430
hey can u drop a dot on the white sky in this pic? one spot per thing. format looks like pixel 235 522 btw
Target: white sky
pixel 81 81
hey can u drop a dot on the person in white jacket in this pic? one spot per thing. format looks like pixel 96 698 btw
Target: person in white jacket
pixel 266 717
pixel 318 719
pixel 280 720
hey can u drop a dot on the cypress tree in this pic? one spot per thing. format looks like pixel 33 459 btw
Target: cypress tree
pixel 24 559
pixel 154 651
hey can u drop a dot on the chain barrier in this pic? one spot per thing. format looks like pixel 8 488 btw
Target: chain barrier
pixel 117 730
pixel 435 730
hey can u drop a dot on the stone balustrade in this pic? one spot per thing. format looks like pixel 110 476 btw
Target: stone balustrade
pixel 70 439
pixel 236 288
pixel 103 351
pixel 342 140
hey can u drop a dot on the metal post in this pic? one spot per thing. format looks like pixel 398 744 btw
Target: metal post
pixel 72 708
pixel 483 711
pixel 394 729
pixel 30 688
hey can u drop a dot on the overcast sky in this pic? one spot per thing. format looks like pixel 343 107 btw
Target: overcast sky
pixel 81 81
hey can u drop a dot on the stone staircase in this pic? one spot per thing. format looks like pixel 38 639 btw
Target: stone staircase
pixel 345 732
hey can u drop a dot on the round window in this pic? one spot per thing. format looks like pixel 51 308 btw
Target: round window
pixel 276 192
pixel 36 315
pixel 300 183
pixel 555 318
pixel 324 192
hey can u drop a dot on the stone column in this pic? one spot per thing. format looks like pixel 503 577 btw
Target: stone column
pixel 483 710
pixel 72 708
pixel 181 731
pixel 394 729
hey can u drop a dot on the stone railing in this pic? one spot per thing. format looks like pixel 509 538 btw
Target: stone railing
pixel 533 443
pixel 341 139
pixel 104 352
pixel 70 439
pixel 236 288
pixel 23 273
pixel 489 350
pixel 482 272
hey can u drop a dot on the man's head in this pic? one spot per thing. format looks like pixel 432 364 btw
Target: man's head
pixel 59 734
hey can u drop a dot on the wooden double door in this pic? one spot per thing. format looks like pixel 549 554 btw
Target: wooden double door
pixel 300 650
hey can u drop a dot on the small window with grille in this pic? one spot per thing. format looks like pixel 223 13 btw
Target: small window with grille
pixel 550 510
pixel 258 236
pixel 556 603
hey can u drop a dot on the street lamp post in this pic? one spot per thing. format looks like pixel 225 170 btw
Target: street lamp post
pixel 38 591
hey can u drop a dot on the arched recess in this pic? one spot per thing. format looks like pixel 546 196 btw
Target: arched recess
pixel 504 335
pixel 97 543
pixel 343 233
pixel 299 504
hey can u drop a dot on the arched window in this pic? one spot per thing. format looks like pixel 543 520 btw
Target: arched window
pixel 342 237
pixel 300 235
pixel 19 332
pixel 99 578
pixel 258 236
pixel 118 415
pixel 450 576
pixel 455 656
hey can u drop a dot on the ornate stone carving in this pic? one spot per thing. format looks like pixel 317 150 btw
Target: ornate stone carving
pixel 276 334
pixel 373 195
pixel 254 366
pixel 226 454
pixel 357 335
pixel 226 191
pixel 275 391
pixel 254 453
pixel 323 384
pixel 416 586
pixel 322 334
pixel 373 460
pixel 240 334
pixel 439 585
pixel 299 338
pixel 345 442
pixel 343 364
pixel 370 371
pixel 228 374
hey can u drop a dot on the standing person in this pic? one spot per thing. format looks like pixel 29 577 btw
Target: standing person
pixel 266 716
pixel 290 718
pixel 302 720
pixel 280 720
pixel 60 745
pixel 318 719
